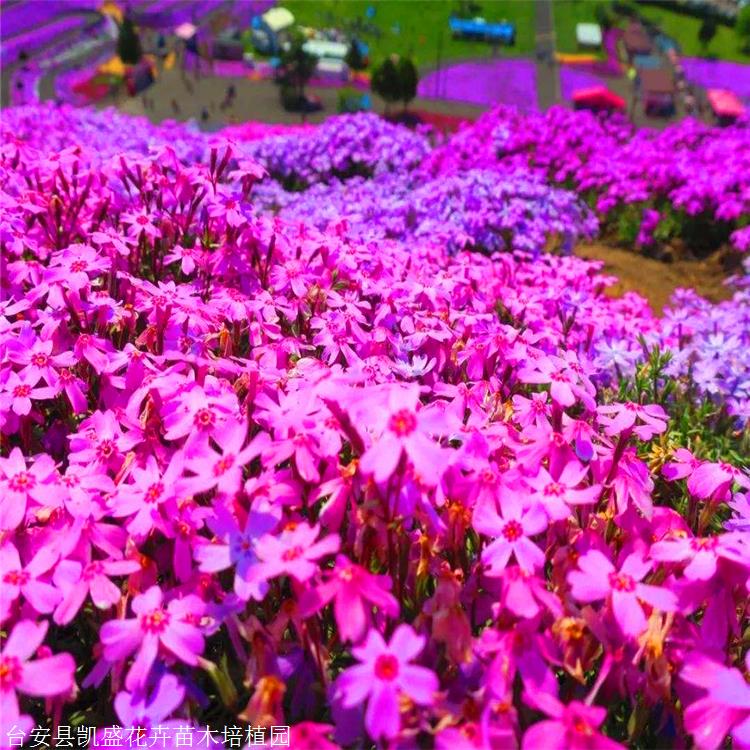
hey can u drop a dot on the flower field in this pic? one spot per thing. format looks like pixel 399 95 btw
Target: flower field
pixel 327 428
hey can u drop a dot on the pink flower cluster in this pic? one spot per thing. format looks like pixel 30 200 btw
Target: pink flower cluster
pixel 257 472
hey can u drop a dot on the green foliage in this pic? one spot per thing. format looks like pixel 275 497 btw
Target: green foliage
pixel 129 47
pixel 297 66
pixel 707 31
pixel 408 79
pixel 385 81
pixel 467 9
pixel 742 28
pixel 395 80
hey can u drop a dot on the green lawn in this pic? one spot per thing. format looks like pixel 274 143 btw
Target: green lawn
pixel 684 29
pixel 569 13
pixel 422 26
pixel 679 26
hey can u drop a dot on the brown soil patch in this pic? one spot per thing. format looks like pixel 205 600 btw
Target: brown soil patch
pixel 657 280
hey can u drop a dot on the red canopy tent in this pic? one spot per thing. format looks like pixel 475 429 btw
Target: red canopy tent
pixel 597 97
pixel 725 104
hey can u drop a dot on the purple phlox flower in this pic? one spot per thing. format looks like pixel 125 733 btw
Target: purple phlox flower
pixel 237 547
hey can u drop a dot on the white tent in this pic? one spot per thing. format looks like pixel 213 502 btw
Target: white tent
pixel 324 48
pixel 589 35
pixel 278 19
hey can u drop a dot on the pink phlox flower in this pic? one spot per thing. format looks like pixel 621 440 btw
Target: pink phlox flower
pixel 18 392
pixel 18 580
pixel 568 383
pixel 572 726
pixel 140 222
pixel 173 630
pixel 724 708
pixel 85 484
pixel 49 676
pixel 715 480
pixel 556 496
pixel 534 410
pixel 101 440
pixel 76 580
pixel 511 530
pixel 354 592
pixel 223 470
pixel 76 265
pixel 37 359
pixel 621 417
pixel 597 578
pixel 23 484
pixel 683 464
pixel 143 500
pixel 701 553
pixel 295 552
pixel 95 350
pixel 402 429
pixel 385 673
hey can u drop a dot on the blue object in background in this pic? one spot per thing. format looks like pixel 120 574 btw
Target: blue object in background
pixel 370 12
pixel 647 62
pixel 468 28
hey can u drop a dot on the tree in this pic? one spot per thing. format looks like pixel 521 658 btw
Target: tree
pixel 354 58
pixel 295 71
pixel 128 43
pixel 707 32
pixel 742 28
pixel 385 81
pixel 408 79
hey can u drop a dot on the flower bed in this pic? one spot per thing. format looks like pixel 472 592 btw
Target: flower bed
pixel 718 74
pixel 510 82
pixel 262 471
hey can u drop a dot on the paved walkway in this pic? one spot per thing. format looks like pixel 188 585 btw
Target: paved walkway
pixel 547 77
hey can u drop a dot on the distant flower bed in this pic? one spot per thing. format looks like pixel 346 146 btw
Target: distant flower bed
pixel 574 78
pixel 484 83
pixel 718 74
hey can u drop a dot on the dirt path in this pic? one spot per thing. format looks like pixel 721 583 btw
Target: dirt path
pixel 655 279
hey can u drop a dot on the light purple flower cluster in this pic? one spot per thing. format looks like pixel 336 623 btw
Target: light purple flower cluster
pixel 359 144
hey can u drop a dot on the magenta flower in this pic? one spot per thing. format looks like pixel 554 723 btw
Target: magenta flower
pixel 20 580
pixel 294 552
pixel 403 429
pixel 18 391
pixel 622 417
pixel 76 581
pixel 701 553
pixel 598 579
pixel 511 530
pixel 715 480
pixel 571 727
pixel 383 676
pixel 684 463
pixel 21 484
pixel 556 495
pixel 52 675
pixel 354 591
pixel 172 630
pixel 142 501
pixel 723 709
